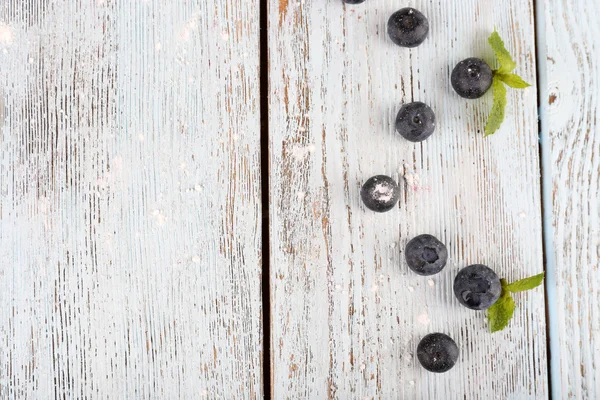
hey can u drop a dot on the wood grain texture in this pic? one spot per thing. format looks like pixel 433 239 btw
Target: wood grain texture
pixel 346 312
pixel 571 147
pixel 130 199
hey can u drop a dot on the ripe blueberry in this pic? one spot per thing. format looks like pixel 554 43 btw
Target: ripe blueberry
pixel 415 121
pixel 477 287
pixel 408 27
pixel 471 78
pixel 354 1
pixel 426 255
pixel 437 352
pixel 380 193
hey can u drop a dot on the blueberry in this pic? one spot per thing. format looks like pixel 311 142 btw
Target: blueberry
pixel 437 352
pixel 408 27
pixel 380 193
pixel 415 121
pixel 477 287
pixel 354 1
pixel 426 255
pixel 471 78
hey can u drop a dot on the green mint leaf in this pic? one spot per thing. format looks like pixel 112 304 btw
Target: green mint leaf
pixel 497 114
pixel 507 64
pixel 513 80
pixel 526 284
pixel 501 312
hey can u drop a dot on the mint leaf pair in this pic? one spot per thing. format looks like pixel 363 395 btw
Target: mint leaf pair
pixel 502 76
pixel 501 312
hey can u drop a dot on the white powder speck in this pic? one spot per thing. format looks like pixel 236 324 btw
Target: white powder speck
pixel 382 277
pixel 155 212
pixel 198 188
pixel 411 178
pixel 300 195
pixel 30 60
pixel 423 319
pixel 196 259
pixel 224 35
pixel 392 245
pixel 374 288
pixel 522 214
pixel 362 367
pixel 187 29
pixel 6 34
pixel 182 165
pixel 158 46
pixel 411 289
pixel 338 287
pixel 141 137
pixel 300 152
pixel 235 138
pixel 412 383
pixel 431 282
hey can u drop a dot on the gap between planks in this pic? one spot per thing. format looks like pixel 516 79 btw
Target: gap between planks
pixel 264 179
pixel 539 15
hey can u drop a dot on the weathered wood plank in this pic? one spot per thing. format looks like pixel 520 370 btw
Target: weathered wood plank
pixel 346 312
pixel 570 73
pixel 130 199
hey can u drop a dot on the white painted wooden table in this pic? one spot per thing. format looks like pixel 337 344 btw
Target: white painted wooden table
pixel 138 258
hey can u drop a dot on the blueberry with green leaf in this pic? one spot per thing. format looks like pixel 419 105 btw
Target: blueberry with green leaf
pixel 502 311
pixel 472 78
pixel 477 287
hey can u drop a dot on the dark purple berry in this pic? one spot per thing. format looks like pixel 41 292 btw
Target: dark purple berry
pixel 437 352
pixel 408 27
pixel 380 193
pixel 477 287
pixel 471 78
pixel 415 121
pixel 426 255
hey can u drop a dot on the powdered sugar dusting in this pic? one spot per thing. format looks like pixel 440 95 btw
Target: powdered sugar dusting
pixel 411 178
pixel 383 192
